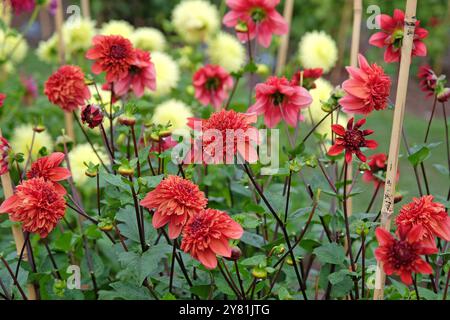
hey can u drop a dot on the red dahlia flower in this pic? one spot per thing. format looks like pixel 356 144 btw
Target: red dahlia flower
pixel 367 89
pixel 378 165
pixel 309 78
pixel 4 155
pixel 2 99
pixel 92 115
pixel 402 256
pixel 428 80
pixel 174 200
pixel 351 140
pixel 141 75
pixel 49 168
pixel 391 36
pixel 37 204
pixel 67 89
pixel 212 84
pixel 261 18
pixel 164 144
pixel 225 134
pixel 278 99
pixel 20 6
pixel 112 54
pixel 429 217
pixel 207 234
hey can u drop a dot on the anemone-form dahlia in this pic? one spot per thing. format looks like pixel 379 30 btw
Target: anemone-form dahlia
pixel 67 89
pixel 37 204
pixel 224 135
pixel 428 216
pixel 307 78
pixel 207 234
pixel 49 168
pixel 112 54
pixel 92 115
pixel 212 84
pixel 277 99
pixel 174 200
pixel 428 80
pixel 141 75
pixel 351 140
pixel 22 6
pixel 5 148
pixel 367 89
pixel 391 36
pixel 261 18
pixel 403 256
pixel 2 99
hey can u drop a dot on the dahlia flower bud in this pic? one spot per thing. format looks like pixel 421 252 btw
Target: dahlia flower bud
pixel 39 128
pixel 92 115
pixel 443 95
pixel 63 142
pixel 398 198
pixel 241 27
pixel 259 273
pixel 236 253
pixel 127 120
pixel 4 155
pixel 105 224
pixel 126 170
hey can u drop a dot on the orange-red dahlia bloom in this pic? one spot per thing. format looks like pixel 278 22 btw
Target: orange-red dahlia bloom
pixel 261 18
pixel 377 164
pixel 49 168
pixel 351 140
pixel 212 84
pixel 37 204
pixel 224 135
pixel 174 200
pixel 367 89
pixel 141 75
pixel 113 55
pixel 391 36
pixel 5 148
pixel 402 256
pixel 207 234
pixel 67 89
pixel 277 99
pixel 430 217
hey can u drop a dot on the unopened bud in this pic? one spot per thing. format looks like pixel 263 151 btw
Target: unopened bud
pixel 259 273
pixel 127 120
pixel 126 171
pixel 236 253
pixel 398 198
pixel 39 128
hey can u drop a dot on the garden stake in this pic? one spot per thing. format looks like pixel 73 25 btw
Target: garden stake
pixel 284 46
pixel 85 9
pixel 59 20
pixel 400 102
pixel 356 35
pixel 16 230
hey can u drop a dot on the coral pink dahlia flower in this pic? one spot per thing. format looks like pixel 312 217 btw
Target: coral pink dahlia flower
pixel 212 84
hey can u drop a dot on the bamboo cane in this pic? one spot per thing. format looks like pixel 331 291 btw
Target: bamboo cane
pixel 16 230
pixel 400 102
pixel 356 36
pixel 284 46
pixel 85 9
pixel 59 20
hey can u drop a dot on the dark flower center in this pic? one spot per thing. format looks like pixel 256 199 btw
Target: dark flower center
pixel 212 84
pixel 258 14
pixel 397 38
pixel 402 254
pixel 118 51
pixel 277 98
pixel 354 139
pixel 197 225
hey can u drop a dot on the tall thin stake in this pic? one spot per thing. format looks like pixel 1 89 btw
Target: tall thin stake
pixel 18 236
pixel 356 36
pixel 59 21
pixel 85 9
pixel 400 103
pixel 284 46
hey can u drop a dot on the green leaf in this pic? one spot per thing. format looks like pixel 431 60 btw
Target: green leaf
pixel 116 181
pixel 419 156
pixel 125 291
pixel 255 261
pixel 284 294
pixel 252 239
pixel 339 276
pixel 330 253
pixel 202 291
pixel 442 169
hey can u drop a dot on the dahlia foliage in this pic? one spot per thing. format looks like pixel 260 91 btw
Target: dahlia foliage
pixel 178 161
